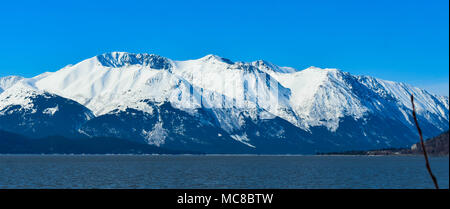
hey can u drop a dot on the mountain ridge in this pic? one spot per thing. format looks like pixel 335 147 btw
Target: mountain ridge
pixel 237 100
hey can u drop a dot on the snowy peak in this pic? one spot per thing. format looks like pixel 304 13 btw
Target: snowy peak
pixel 269 67
pixel 122 59
pixel 328 71
pixel 19 94
pixel 8 81
pixel 211 58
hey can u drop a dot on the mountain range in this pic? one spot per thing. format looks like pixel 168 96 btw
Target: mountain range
pixel 215 105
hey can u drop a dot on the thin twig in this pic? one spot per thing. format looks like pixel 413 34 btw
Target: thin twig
pixel 423 145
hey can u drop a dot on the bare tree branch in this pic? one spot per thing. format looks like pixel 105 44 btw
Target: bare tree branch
pixel 423 145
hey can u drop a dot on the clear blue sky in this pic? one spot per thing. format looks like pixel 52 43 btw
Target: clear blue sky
pixel 404 41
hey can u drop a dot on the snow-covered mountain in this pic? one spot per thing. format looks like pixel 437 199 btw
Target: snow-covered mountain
pixel 215 105
pixel 36 113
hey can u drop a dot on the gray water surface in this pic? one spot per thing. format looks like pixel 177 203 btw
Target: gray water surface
pixel 149 171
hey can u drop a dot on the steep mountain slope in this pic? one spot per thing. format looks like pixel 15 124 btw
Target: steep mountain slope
pixel 215 105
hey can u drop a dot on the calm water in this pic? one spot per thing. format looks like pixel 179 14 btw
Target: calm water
pixel 128 171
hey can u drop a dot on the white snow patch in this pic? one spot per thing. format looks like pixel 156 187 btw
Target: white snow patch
pixel 157 136
pixel 51 111
pixel 243 139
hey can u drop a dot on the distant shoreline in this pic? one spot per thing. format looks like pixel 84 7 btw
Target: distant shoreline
pixel 224 155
